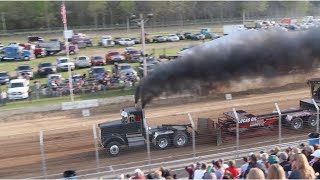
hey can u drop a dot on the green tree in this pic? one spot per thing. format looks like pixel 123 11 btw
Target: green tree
pixel 96 8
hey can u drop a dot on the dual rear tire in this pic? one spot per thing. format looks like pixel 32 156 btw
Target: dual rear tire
pixel 180 139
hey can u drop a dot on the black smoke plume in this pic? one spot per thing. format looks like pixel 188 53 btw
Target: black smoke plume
pixel 247 54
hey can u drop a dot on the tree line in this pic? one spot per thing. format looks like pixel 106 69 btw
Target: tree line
pixel 46 14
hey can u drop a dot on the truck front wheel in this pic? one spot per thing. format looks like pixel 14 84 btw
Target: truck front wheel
pixel 297 123
pixel 162 142
pixel 113 148
pixel 180 139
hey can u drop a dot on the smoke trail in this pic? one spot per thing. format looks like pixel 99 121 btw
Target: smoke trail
pixel 247 54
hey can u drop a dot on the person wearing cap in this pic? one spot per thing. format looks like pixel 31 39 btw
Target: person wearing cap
pixel 283 157
pixel 316 161
pixel 308 150
pixel 273 159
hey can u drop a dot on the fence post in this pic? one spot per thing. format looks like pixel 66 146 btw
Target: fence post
pixel 237 130
pixel 279 123
pixel 96 147
pixel 43 159
pixel 316 105
pixel 147 139
pixel 193 137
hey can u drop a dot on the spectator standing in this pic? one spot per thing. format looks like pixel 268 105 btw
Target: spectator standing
pixel 30 94
pixel 4 97
pixel 233 169
pixel 264 159
pixel 285 163
pixel 301 168
pixel 255 173
pixel 224 166
pixel 254 164
pixel 37 88
pixel 198 173
pixel 316 162
pixel 276 171
pixel 273 159
pixel 244 166
pixel 115 69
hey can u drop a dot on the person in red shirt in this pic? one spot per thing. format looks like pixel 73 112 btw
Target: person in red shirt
pixel 232 169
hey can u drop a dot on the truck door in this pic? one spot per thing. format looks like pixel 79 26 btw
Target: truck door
pixel 134 126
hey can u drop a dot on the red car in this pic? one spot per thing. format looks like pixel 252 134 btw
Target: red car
pixel 114 56
pixel 132 55
pixel 97 61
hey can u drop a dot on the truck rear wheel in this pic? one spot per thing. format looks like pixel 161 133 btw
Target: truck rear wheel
pixel 180 139
pixel 312 121
pixel 113 148
pixel 297 123
pixel 162 142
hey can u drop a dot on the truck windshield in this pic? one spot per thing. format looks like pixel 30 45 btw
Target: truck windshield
pixel 16 85
pixel 63 60
pixel 3 74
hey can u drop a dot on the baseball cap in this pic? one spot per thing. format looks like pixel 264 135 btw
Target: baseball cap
pixel 316 154
pixel 273 159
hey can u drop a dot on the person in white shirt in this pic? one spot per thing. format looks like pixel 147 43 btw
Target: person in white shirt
pixel 244 167
pixel 198 174
pixel 3 98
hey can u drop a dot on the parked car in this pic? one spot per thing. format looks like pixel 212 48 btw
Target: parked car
pixel 96 71
pixel 45 68
pixel 188 35
pixel 126 69
pixel 173 38
pixel 64 63
pixel 18 89
pixel 136 40
pixel 4 77
pixel 132 55
pixel 181 36
pixel 106 41
pixel 87 41
pixel 159 38
pixel 82 61
pixel 126 42
pixel 25 71
pixel 150 69
pixel 150 60
pixel 198 36
pixel 97 61
pixel 114 56
pixel 53 77
pixel 116 40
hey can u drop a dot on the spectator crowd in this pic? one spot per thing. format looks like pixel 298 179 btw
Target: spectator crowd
pixel 301 162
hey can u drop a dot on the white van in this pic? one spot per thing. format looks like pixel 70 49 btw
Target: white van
pixel 18 89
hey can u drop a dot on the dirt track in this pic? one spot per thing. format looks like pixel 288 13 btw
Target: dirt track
pixel 69 142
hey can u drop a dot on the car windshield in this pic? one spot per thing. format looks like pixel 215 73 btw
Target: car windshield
pixel 133 52
pixel 125 67
pixel 63 60
pixel 16 85
pixel 114 53
pixel 82 58
pixel 99 70
pixel 3 74
pixel 45 64
pixel 158 36
pixel 171 35
pixel 97 58
pixel 23 68
pixel 54 77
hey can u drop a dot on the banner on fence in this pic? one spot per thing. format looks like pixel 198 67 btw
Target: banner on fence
pixel 79 104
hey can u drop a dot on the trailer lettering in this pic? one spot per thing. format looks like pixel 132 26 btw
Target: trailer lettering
pixel 247 120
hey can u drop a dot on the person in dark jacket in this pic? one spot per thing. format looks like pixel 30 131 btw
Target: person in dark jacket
pixel 315 163
pixel 285 163
pixel 254 164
